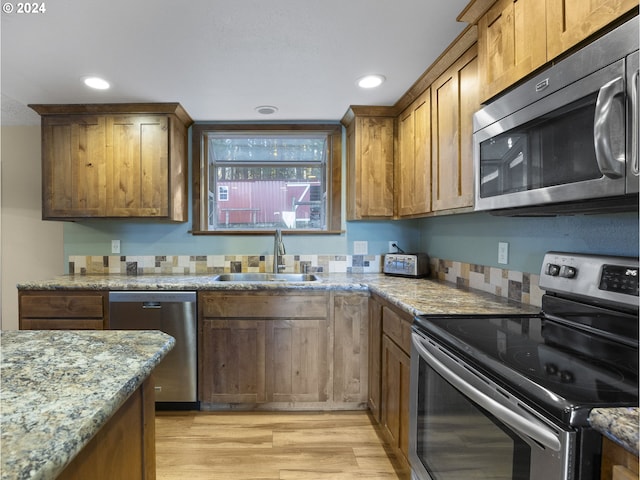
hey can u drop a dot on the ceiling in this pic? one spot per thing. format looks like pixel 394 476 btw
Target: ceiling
pixel 222 58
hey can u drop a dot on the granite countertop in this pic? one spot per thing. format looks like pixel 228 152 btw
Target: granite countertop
pixel 60 387
pixel 415 296
pixel 619 425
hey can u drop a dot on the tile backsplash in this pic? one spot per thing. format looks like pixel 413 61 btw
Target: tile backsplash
pixel 512 284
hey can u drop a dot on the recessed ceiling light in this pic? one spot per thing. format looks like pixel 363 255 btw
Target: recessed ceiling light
pixel 266 109
pixel 96 82
pixel 371 81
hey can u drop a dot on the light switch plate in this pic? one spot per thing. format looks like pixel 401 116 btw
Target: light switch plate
pixel 503 253
pixel 360 247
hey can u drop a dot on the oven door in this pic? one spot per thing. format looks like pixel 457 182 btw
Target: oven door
pixel 465 426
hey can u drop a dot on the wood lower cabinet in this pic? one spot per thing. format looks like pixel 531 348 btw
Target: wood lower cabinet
pixel 263 347
pixel 232 359
pixel 114 161
pixel 454 100
pixel 125 447
pixel 350 347
pixel 395 394
pixel 370 163
pixel 618 463
pixel 283 349
pixel 297 361
pixel 375 357
pixel 390 358
pixel 62 310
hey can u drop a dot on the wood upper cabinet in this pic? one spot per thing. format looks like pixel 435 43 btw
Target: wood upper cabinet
pixel 511 42
pixel 138 156
pixel 454 100
pixel 74 166
pixel 370 165
pixel 62 310
pixel 516 37
pixel 413 159
pixel 114 161
pixel 571 21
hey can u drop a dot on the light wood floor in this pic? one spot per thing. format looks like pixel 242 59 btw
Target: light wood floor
pixel 265 446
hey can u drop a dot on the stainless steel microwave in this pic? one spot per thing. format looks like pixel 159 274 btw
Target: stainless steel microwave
pixel 565 141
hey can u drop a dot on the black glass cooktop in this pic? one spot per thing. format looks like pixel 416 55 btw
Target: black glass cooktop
pixel 563 370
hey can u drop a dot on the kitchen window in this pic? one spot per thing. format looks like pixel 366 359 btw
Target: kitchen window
pixel 252 178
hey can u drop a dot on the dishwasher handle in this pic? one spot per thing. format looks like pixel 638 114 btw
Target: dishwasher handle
pixel 152 296
pixel 152 305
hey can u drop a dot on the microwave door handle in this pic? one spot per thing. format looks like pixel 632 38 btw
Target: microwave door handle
pixel 535 430
pixel 634 123
pixel 612 167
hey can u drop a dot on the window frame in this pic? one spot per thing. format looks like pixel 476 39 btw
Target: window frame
pixel 200 169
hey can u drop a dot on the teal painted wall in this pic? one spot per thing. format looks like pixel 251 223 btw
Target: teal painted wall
pixel 471 238
pixel 474 237
pixel 148 238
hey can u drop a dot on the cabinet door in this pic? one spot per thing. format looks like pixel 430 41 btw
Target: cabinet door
pixel 571 21
pixel 370 168
pixel 73 166
pixel 454 100
pixel 413 162
pixel 375 357
pixel 350 347
pixel 232 361
pixel 395 391
pixel 297 361
pixel 138 152
pixel 511 43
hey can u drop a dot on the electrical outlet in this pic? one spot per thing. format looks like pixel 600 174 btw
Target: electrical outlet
pixel 115 246
pixel 392 246
pixel 503 253
pixel 361 247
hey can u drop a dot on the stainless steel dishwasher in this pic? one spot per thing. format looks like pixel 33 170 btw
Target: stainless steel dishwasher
pixel 173 313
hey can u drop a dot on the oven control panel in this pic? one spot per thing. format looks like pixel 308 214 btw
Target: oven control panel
pixel 608 279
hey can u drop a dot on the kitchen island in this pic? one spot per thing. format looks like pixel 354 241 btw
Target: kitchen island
pixel 62 390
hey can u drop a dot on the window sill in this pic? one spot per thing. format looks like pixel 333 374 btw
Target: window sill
pixel 266 232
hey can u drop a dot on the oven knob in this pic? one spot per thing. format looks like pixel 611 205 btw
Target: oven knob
pixel 550 368
pixel 553 269
pixel 568 272
pixel 566 376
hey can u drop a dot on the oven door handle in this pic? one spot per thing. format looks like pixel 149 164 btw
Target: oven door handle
pixel 535 430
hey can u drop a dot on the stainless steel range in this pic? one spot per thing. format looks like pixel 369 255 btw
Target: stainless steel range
pixel 508 396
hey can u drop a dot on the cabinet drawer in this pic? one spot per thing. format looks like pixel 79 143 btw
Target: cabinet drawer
pixel 62 306
pixel 61 324
pixel 397 327
pixel 287 305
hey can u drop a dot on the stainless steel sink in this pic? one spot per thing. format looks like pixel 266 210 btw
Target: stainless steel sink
pixel 265 277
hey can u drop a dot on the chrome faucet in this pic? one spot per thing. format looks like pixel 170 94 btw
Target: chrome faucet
pixel 278 251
